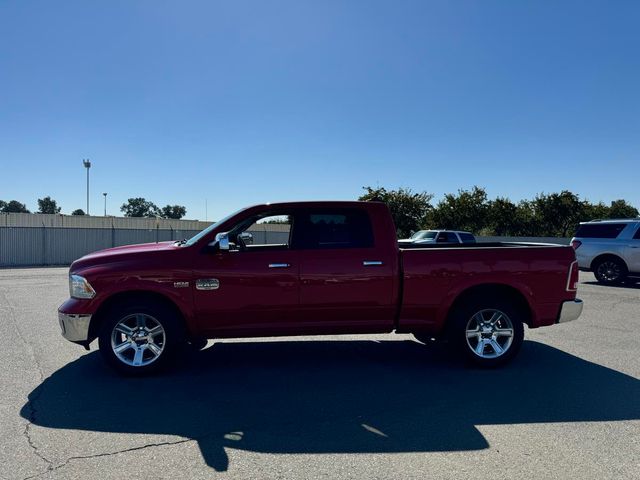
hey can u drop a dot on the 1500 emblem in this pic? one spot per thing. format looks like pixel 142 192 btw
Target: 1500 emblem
pixel 207 284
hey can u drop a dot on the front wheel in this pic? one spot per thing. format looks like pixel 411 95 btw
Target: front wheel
pixel 139 339
pixel 488 332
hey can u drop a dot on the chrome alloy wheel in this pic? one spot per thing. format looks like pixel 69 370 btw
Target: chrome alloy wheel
pixel 489 333
pixel 609 271
pixel 138 340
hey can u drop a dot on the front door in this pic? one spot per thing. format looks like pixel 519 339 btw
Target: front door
pixel 253 288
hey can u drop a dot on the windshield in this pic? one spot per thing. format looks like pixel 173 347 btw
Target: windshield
pixel 206 231
pixel 424 235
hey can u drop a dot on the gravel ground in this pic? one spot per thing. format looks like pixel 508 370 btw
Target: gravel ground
pixel 335 407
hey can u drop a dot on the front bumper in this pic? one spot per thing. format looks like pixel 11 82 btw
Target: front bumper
pixel 570 310
pixel 75 327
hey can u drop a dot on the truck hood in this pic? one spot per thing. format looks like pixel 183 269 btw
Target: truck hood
pixel 117 254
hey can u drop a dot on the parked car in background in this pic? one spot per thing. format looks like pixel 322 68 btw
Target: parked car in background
pixel 609 248
pixel 336 269
pixel 439 236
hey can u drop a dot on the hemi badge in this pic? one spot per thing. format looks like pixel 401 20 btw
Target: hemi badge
pixel 180 284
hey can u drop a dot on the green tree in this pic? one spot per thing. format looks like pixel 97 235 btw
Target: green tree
pixel 467 210
pixel 621 209
pixel 15 206
pixel 502 216
pixel 79 211
pixel 48 205
pixel 173 211
pixel 558 213
pixel 3 205
pixel 592 211
pixel 139 207
pixel 408 209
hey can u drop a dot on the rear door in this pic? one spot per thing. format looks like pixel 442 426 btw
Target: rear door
pixel 346 280
pixel 633 252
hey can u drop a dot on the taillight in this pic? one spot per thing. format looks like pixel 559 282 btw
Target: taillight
pixel 576 244
pixel 572 280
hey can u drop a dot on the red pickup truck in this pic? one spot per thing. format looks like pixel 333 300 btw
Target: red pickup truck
pixel 314 268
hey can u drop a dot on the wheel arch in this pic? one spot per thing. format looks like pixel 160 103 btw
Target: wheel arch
pixel 493 290
pixel 604 256
pixel 123 298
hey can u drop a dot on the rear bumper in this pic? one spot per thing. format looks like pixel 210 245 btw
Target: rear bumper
pixel 75 327
pixel 570 310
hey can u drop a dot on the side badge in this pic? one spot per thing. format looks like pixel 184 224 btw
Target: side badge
pixel 207 284
pixel 180 284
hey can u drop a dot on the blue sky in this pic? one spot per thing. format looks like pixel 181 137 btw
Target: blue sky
pixel 254 101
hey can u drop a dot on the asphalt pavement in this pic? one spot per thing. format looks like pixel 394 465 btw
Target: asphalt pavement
pixel 369 407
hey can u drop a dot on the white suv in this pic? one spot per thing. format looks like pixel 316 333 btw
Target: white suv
pixel 439 236
pixel 609 248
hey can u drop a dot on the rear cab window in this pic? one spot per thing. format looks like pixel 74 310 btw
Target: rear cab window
pixel 600 230
pixel 467 238
pixel 332 228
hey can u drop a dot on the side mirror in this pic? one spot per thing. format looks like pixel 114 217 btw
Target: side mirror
pixel 222 240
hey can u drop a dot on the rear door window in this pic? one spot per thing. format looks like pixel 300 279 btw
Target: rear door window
pixel 600 230
pixel 327 229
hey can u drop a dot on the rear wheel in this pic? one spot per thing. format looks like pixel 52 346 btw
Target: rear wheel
pixel 489 332
pixel 610 271
pixel 139 339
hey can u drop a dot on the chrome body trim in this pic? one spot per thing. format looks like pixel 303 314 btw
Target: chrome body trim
pixel 75 327
pixel 570 310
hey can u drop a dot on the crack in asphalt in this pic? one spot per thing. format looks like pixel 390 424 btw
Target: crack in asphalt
pixel 53 467
pixel 31 402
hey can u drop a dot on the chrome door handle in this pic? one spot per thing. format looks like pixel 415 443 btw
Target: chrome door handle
pixel 371 263
pixel 279 265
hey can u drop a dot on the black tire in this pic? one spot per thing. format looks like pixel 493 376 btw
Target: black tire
pixel 132 316
pixel 479 349
pixel 610 270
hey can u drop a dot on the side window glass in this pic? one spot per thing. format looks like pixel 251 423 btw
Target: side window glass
pixel 637 235
pixel 334 229
pixel 267 232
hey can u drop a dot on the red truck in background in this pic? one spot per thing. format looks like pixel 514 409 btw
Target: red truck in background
pixel 334 268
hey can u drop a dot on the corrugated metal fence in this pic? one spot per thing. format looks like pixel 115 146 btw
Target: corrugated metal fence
pixel 29 246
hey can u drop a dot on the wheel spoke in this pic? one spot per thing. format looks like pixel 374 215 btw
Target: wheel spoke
pixel 496 347
pixel 141 321
pixel 480 347
pixel 156 331
pixel 123 347
pixel 137 358
pixel 495 318
pixel 122 328
pixel 473 333
pixel 154 349
pixel 503 332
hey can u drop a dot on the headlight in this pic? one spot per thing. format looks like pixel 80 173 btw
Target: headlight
pixel 80 288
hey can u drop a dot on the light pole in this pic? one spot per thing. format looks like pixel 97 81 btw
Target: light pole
pixel 105 203
pixel 87 165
